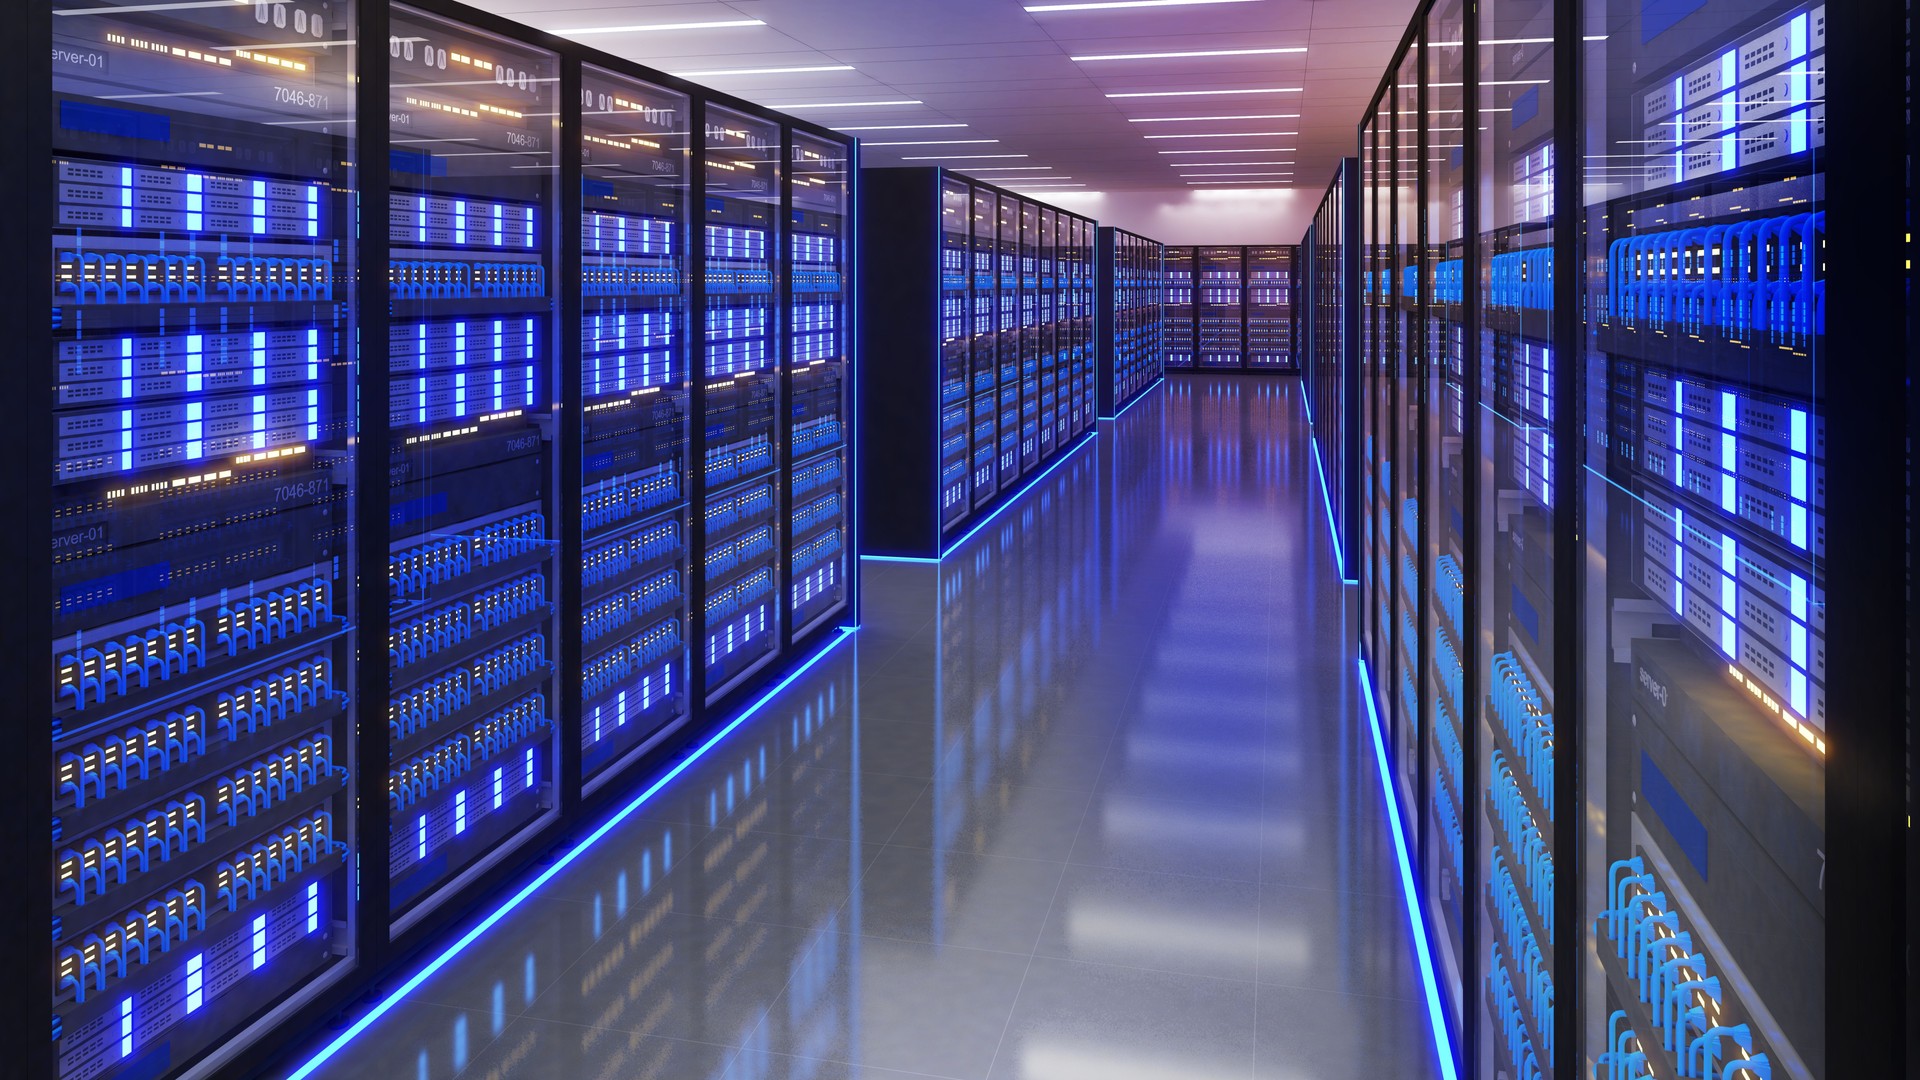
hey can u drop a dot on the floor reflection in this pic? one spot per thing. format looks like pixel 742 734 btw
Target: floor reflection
pixel 1088 799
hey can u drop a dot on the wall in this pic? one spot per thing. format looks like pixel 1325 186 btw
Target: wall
pixel 1199 215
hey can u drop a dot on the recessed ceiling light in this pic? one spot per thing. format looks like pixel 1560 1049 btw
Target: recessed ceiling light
pixel 761 71
pixel 1212 93
pixel 643 28
pixel 1225 135
pixel 847 104
pixel 1289 173
pixel 1238 183
pixel 1222 164
pixel 1008 168
pixel 1105 5
pixel 961 157
pixel 1243 150
pixel 1183 55
pixel 899 127
pixel 932 142
pixel 1178 119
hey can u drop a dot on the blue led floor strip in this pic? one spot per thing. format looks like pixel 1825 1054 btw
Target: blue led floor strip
pixel 1085 441
pixel 452 951
pixel 1333 529
pixel 1442 1039
pixel 898 558
pixel 1136 399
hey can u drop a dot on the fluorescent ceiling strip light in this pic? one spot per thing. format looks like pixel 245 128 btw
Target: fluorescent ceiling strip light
pixel 1182 55
pixel 1177 119
pixel 1223 164
pixel 1237 183
pixel 899 127
pixel 1108 5
pixel 1026 179
pixel 1239 174
pixel 1008 168
pixel 762 71
pixel 933 142
pixel 1241 150
pixel 1514 41
pixel 960 157
pixel 642 28
pixel 1225 135
pixel 847 104
pixel 1210 93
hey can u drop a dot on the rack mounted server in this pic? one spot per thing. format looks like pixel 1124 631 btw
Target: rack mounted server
pixel 986 321
pixel 595 424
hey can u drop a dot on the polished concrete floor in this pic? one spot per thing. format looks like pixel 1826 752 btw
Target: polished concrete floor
pixel 1090 799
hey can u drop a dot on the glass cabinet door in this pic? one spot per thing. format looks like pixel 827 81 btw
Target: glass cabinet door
pixel 1270 344
pixel 472 522
pixel 1443 560
pixel 1007 332
pixel 956 299
pixel 1705 737
pixel 202 570
pixel 1044 347
pixel 1179 275
pixel 986 339
pixel 817 371
pixel 1220 343
pixel 1029 335
pixel 1404 374
pixel 634 398
pixel 741 563
pixel 1514 536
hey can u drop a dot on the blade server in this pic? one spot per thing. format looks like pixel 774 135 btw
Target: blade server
pixel 1006 298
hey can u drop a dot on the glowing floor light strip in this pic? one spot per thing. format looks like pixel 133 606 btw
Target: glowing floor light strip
pixel 1442 1040
pixel 1333 528
pixel 1137 400
pixel 447 955
pixel 1015 497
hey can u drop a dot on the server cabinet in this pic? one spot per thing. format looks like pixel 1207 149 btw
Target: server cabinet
pixel 1180 308
pixel 1327 302
pixel 820 207
pixel 472 521
pixel 242 427
pixel 1220 333
pixel 990 285
pixel 1132 346
pixel 635 388
pixel 198 660
pixel 1269 308
pixel 743 452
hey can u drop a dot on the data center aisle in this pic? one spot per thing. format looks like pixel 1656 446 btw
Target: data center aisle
pixel 1093 798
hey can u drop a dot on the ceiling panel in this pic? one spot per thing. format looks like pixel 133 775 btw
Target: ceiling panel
pixel 1007 74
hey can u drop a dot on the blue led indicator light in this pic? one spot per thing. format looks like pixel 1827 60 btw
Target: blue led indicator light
pixel 313 210
pixel 195 982
pixel 126 198
pixel 259 942
pixel 459 812
pixel 420 836
pixel 126 1027
pixel 313 907
pixel 259 206
pixel 499 787
pixel 460 221
pixel 196 202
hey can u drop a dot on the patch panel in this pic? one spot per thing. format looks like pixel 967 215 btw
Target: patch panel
pixel 811 552
pixel 442 279
pixel 814 475
pixel 738 596
pixel 821 510
pixel 418 638
pixel 610 561
pixel 416 568
pixel 729 555
pixel 494 736
pixel 129 275
pixel 812 436
pixel 617 666
pixel 445 697
pixel 730 461
pixel 610 502
pixel 1751 280
pixel 631 603
pixel 726 511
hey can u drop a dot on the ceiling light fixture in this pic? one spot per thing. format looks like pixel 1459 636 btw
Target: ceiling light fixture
pixel 1211 93
pixel 1225 135
pixel 761 71
pixel 847 104
pixel 1288 173
pixel 899 127
pixel 1183 55
pixel 1242 150
pixel 1106 5
pixel 643 28
pixel 1222 164
pixel 961 157
pixel 932 142
pixel 1177 119
pixel 1009 168
pixel 1240 183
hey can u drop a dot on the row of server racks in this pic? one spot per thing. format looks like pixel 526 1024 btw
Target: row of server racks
pixel 1231 308
pixel 1328 297
pixel 984 329
pixel 1659 828
pixel 1132 306
pixel 595 425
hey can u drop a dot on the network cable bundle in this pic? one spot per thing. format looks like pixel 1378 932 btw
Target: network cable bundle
pixel 1003 292
pixel 1231 308
pixel 360 589
pixel 1133 350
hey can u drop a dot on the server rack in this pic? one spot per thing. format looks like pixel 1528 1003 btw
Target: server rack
pixel 1328 317
pixel 1133 348
pixel 1607 524
pixel 238 435
pixel 999 288
pixel 1232 308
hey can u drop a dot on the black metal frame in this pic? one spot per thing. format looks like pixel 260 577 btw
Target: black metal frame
pixel 26 93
